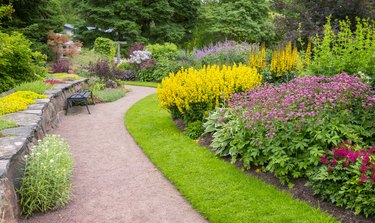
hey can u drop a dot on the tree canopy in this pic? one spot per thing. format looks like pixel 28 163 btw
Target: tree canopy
pixel 239 20
pixel 34 19
pixel 132 20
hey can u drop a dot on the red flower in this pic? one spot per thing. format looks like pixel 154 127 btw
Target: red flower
pixel 346 164
pixel 330 169
pixel 324 160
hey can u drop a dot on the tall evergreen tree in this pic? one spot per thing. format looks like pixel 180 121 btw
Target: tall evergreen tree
pixel 153 20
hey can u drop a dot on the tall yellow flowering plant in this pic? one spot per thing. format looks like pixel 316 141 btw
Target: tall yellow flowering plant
pixel 285 60
pixel 191 93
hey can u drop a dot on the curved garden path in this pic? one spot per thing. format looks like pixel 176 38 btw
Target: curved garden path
pixel 113 180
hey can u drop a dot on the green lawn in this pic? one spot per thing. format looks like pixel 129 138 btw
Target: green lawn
pixel 140 83
pixel 216 189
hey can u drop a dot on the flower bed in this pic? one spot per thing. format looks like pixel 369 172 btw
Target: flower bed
pixel 286 129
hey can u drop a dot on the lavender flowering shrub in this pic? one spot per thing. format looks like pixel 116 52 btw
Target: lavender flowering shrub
pixel 286 129
pixel 227 52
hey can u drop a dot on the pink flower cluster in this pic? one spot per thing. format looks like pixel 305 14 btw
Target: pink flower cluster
pixel 346 154
pixel 302 98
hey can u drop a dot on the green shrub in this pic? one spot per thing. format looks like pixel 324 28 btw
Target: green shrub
pixel 38 87
pixel 6 124
pixel 194 129
pixel 166 50
pixel 345 51
pixel 346 177
pixel 46 183
pixel 17 61
pixel 105 47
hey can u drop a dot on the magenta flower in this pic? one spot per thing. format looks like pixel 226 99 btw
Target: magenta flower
pixel 334 163
pixel 345 164
pixel 363 168
pixel 324 160
pixel 363 178
pixel 352 156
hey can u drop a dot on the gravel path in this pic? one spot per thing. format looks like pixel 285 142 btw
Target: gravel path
pixel 113 180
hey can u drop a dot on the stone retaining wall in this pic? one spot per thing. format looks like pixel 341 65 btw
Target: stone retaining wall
pixel 33 125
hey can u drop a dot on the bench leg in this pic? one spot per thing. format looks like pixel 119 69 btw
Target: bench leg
pixel 87 107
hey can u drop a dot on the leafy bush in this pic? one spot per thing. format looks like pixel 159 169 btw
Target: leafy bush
pixel 18 101
pixel 61 66
pixel 104 70
pixel 46 183
pixel 191 93
pixel 158 51
pixel 105 47
pixel 345 51
pixel 17 62
pixel 346 177
pixel 6 124
pixel 287 128
pixel 227 52
pixel 38 87
pixel 194 129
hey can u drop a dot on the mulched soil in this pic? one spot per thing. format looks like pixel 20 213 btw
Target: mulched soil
pixel 299 191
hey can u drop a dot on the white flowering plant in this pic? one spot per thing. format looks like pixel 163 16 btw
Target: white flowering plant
pixel 138 56
pixel 46 183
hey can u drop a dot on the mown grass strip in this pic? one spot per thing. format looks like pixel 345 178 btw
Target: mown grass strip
pixel 140 83
pixel 219 191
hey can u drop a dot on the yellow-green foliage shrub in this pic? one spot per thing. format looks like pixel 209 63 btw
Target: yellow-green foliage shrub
pixel 18 101
pixel 191 93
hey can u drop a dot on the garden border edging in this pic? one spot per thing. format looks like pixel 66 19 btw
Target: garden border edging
pixel 33 124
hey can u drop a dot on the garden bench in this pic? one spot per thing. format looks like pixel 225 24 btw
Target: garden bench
pixel 81 95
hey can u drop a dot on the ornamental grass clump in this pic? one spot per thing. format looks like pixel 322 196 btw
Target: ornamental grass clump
pixel 346 177
pixel 18 101
pixel 191 93
pixel 46 184
pixel 287 128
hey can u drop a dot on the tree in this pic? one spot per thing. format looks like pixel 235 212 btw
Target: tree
pixel 306 18
pixel 5 12
pixel 34 19
pixel 240 20
pixel 138 20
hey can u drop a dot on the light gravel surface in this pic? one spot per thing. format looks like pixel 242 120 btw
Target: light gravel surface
pixel 113 180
